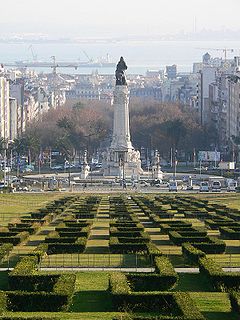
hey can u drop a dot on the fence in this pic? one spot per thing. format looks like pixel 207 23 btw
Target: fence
pixel 97 261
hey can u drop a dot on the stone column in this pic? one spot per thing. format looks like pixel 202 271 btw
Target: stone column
pixel 121 132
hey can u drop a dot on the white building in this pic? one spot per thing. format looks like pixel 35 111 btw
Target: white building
pixel 4 108
pixel 233 110
pixel 14 117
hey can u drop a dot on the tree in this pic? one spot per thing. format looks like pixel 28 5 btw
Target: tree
pixel 175 130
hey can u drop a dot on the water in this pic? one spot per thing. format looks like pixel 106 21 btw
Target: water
pixel 139 55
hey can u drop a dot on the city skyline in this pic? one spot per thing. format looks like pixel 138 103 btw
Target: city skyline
pixel 89 19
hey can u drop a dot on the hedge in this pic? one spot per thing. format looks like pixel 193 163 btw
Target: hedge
pixel 35 301
pixel 178 304
pixel 128 247
pixel 153 250
pixel 13 237
pixel 165 270
pixel 191 253
pixel 5 249
pixel 77 247
pixel 232 233
pixel 235 301
pixel 40 251
pixel 215 246
pixel 26 266
pixel 178 240
pixel 42 292
pixel 223 281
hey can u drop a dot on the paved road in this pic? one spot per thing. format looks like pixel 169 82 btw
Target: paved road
pixel 178 270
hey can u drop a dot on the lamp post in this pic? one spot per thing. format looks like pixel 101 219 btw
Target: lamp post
pixel 175 164
pixel 121 159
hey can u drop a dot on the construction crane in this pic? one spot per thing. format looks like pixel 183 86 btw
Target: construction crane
pixel 34 55
pixel 224 50
pixel 87 56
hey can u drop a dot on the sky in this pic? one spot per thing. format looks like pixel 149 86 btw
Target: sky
pixel 109 18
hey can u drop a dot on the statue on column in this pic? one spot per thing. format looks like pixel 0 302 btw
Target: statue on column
pixel 120 73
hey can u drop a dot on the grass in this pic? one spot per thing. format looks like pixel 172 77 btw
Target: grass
pixel 231 200
pixel 67 315
pixel 214 305
pixel 226 260
pixel 13 206
pixel 91 293
pixel 92 300
pixel 193 282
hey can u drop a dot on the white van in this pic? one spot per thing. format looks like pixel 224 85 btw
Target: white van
pixel 232 185
pixel 216 186
pixel 172 186
pixel 204 186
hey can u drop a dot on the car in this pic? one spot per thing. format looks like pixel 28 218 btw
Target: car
pixel 216 186
pixel 173 186
pixel 158 185
pixel 232 185
pixel 57 167
pixel 144 184
pixel 2 185
pixel 204 186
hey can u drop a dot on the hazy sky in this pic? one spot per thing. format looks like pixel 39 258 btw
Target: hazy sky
pixel 98 18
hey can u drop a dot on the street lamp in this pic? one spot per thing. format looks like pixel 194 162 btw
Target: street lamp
pixel 121 159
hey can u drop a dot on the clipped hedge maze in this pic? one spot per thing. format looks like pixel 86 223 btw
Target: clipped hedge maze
pixel 126 232
pixel 31 291
pixel 169 305
pixel 69 237
pixel 85 207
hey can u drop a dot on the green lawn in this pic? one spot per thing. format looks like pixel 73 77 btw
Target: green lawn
pixel 91 294
pixel 13 206
pixel 193 282
pixel 214 305
pixel 92 300
pixel 231 200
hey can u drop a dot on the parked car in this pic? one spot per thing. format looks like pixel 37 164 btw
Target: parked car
pixel 216 186
pixel 232 185
pixel 172 186
pixel 144 184
pixel 204 186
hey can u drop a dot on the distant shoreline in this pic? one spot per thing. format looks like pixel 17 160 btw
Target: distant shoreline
pixel 105 41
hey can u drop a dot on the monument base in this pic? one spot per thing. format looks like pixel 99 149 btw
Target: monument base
pixel 123 164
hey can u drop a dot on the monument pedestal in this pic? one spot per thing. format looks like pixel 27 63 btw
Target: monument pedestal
pixel 121 160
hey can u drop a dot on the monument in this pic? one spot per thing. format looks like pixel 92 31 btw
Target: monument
pixel 85 167
pixel 121 160
pixel 156 168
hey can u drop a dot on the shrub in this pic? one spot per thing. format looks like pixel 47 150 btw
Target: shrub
pixel 127 247
pixel 215 246
pixel 178 240
pixel 153 250
pixel 235 301
pixel 177 305
pixel 165 271
pixel 191 253
pixel 223 281
pixel 5 249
